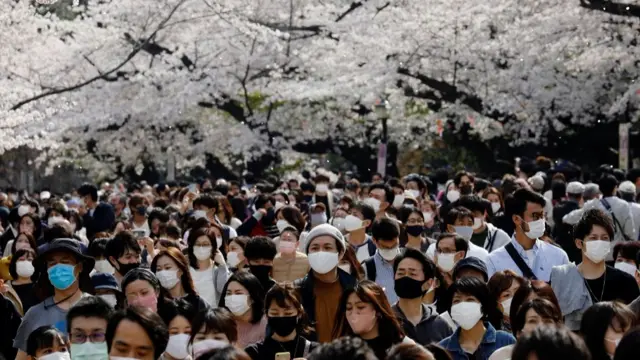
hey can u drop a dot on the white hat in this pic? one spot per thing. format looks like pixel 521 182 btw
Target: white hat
pixel 627 187
pixel 325 230
pixel 45 195
pixel 575 187
pixel 536 182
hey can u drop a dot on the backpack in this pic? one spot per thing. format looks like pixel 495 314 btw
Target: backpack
pixel 370 265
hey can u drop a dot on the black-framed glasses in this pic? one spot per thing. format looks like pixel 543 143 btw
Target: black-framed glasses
pixel 81 338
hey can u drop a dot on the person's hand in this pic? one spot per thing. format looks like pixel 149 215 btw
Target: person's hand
pixel 218 258
pixel 263 211
pixel 3 287
pixel 145 242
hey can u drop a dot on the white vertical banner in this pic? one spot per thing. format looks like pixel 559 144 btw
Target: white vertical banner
pixel 623 155
pixel 382 159
pixel 171 168
pixel 30 181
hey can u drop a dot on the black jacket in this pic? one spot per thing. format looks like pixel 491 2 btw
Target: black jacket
pixel 305 288
pixel 10 322
pixel 102 219
pixel 563 233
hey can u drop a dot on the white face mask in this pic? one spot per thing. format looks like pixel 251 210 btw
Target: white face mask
pixel 453 195
pixel 389 254
pixel 56 356
pixel 237 304
pixel 397 201
pixel 597 250
pixel 322 188
pixel 495 206
pixel 352 223
pixel 177 346
pixel 415 193
pixel 282 224
pixel 205 345
pixel 218 242
pixel 202 252
pixel 536 229
pixel 623 266
pixel 322 261
pixel 54 220
pixel 103 266
pixel 279 205
pixel 428 216
pixel 506 306
pixel 233 259
pixel 465 231
pixel 466 314
pixel 24 268
pixel 374 203
pixel 477 223
pixel 110 299
pixel 23 210
pixel 338 223
pixel 446 262
pixel 199 214
pixel 345 267
pixel 168 278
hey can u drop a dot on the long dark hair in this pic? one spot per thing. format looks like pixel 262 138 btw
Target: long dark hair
pixel 369 292
pixel 182 263
pixel 597 319
pixel 44 337
pixel 294 217
pixel 191 243
pixel 37 225
pixel 255 290
pixel 282 293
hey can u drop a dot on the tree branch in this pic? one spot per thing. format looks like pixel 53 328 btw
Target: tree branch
pixel 612 7
pixel 102 76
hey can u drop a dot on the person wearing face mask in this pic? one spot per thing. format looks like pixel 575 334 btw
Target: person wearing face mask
pixel 97 250
pixel 526 254
pixel 450 248
pixel 318 214
pixel 123 253
pixel 87 327
pixel 415 276
pixel 323 195
pixel 207 265
pixel 47 343
pixel 206 206
pixel 626 256
pixel 432 224
pixel 459 220
pixel 475 337
pixel 379 267
pixel 321 288
pixel 235 254
pixel 212 329
pixel 338 217
pixel 365 313
pixel 142 288
pixel 413 221
pixel 592 281
pixel 484 233
pixel 21 290
pixel 603 326
pixel 380 198
pixel 98 216
pixel 177 314
pixel 289 264
pixel 260 252
pixel 138 210
pixel 106 287
pixel 244 297
pixel 360 218
pixel 263 221
pixel 171 268
pixel 287 321
pixel 502 287
pixel 67 278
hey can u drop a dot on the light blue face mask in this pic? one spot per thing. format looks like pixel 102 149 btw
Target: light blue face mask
pixel 62 276
pixel 89 351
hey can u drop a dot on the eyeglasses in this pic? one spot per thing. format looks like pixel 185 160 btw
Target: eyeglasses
pixel 81 338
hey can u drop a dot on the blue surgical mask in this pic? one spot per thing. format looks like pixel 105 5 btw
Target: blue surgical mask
pixel 62 276
pixel 89 351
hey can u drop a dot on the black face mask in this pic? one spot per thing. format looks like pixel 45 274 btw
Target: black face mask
pixel 123 269
pixel 262 272
pixel 466 189
pixel 308 198
pixel 415 230
pixel 283 326
pixel 408 288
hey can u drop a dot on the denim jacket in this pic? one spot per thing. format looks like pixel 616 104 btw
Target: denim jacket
pixel 492 341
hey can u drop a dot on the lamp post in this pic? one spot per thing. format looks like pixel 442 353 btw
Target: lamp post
pixel 381 108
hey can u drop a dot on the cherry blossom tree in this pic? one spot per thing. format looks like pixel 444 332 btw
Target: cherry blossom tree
pixel 112 84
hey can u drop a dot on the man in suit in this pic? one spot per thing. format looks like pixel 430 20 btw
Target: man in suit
pixel 99 216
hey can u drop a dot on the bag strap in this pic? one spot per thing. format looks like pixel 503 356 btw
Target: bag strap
pixel 616 223
pixel 492 240
pixel 522 265
pixel 307 346
pixel 371 268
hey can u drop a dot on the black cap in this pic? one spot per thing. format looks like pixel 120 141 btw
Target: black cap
pixel 474 263
pixel 68 245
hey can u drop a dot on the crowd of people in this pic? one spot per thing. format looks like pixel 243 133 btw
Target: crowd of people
pixel 324 267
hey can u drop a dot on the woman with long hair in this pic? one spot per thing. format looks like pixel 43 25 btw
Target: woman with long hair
pixel 502 287
pixel 349 263
pixel 208 267
pixel 365 312
pixel 225 212
pixel 212 329
pixel 172 270
pixel 23 241
pixel 141 288
pixel 48 342
pixel 475 335
pixel 288 322
pixel 21 269
pixel 244 297
pixel 603 326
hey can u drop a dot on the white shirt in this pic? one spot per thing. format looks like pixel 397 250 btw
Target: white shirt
pixel 144 227
pixel 203 281
pixel 474 250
